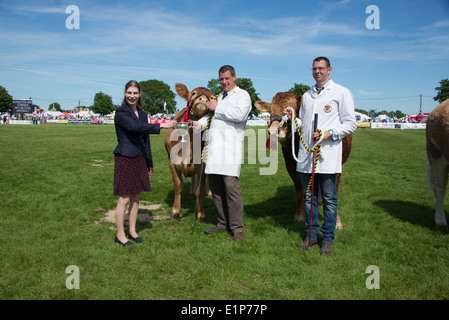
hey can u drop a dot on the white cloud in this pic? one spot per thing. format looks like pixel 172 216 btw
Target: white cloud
pixel 369 93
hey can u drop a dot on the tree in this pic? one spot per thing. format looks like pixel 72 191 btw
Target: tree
pixel 243 83
pixel 54 106
pixel 247 84
pixel 155 94
pixel 399 114
pixel 299 89
pixel 214 86
pixel 102 104
pixel 361 111
pixel 443 91
pixel 6 104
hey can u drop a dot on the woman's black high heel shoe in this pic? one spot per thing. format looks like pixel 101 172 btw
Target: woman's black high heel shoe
pixel 136 239
pixel 126 244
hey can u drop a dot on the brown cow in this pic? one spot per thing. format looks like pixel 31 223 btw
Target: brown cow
pixel 437 146
pixel 191 166
pixel 281 101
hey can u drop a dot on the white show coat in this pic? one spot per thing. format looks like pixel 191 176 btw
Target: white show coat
pixel 335 108
pixel 227 133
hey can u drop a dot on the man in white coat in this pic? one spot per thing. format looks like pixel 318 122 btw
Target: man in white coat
pixel 334 105
pixel 225 152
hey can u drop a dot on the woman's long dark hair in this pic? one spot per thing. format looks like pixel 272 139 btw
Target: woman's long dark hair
pixel 134 83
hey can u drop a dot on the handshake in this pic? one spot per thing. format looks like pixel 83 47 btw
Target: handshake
pixel 169 124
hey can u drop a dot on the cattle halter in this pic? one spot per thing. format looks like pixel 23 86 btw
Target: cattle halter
pixel 201 94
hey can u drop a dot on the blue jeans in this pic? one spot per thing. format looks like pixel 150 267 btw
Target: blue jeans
pixel 327 182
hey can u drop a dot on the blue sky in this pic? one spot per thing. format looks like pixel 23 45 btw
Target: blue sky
pixel 271 42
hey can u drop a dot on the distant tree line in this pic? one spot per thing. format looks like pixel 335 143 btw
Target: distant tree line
pixel 159 98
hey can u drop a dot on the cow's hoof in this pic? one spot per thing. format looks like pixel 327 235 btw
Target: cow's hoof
pixel 299 218
pixel 339 226
pixel 176 216
pixel 202 219
pixel 441 223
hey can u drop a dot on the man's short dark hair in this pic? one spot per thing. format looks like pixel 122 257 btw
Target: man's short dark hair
pixel 328 64
pixel 227 68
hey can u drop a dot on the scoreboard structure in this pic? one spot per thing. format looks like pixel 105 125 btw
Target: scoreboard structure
pixel 22 106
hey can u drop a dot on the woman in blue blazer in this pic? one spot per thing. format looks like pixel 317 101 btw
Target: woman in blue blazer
pixel 133 161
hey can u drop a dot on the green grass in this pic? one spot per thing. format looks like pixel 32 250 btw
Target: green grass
pixel 54 177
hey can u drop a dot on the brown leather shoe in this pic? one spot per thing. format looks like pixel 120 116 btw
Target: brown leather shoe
pixel 238 236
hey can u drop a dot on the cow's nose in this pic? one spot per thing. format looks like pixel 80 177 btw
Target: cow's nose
pixel 273 130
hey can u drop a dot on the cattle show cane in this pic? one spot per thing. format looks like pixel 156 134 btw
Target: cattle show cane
pixel 315 154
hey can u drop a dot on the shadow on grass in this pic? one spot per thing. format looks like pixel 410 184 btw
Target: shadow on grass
pixel 408 211
pixel 281 209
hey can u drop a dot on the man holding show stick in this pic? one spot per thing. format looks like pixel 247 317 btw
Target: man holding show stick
pixel 225 144
pixel 334 106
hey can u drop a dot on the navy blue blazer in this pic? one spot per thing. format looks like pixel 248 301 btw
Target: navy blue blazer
pixel 133 133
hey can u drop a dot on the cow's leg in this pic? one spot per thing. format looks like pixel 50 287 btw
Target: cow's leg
pixel 290 164
pixel 178 185
pixel 339 225
pixel 300 211
pixel 439 171
pixel 200 212
pixel 208 192
pixel 193 185
pixel 300 214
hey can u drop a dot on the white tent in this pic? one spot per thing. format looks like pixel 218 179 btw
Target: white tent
pixel 362 117
pixel 86 114
pixel 383 117
pixel 52 113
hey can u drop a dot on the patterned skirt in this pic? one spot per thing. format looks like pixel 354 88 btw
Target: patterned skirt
pixel 130 175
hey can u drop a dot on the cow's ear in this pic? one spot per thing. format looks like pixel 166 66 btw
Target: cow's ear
pixel 263 106
pixel 182 90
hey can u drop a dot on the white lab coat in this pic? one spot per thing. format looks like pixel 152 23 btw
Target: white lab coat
pixel 227 133
pixel 335 108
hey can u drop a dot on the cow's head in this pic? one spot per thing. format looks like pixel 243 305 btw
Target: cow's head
pixel 197 99
pixel 280 101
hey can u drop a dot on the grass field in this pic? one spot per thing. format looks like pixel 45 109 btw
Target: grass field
pixel 55 177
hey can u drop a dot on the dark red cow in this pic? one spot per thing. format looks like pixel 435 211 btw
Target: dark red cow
pixel 281 101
